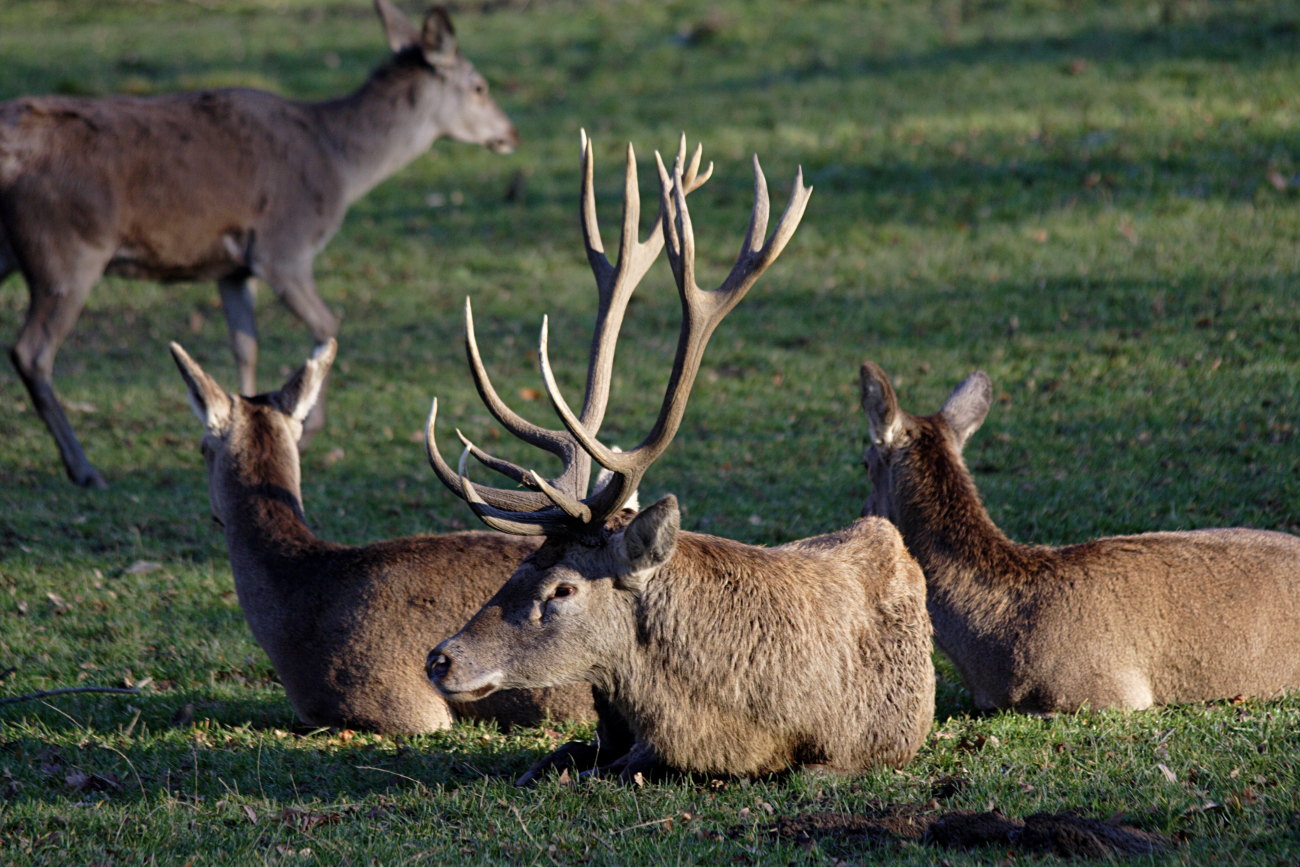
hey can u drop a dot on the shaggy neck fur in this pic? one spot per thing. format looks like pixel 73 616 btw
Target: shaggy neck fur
pixel 945 524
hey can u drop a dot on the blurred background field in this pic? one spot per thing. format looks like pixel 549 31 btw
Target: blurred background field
pixel 1095 202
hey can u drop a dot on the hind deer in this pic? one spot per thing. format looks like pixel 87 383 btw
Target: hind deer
pixel 723 658
pixel 1120 622
pixel 346 628
pixel 229 185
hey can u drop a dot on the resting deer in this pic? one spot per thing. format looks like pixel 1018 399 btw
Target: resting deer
pixel 1123 622
pixel 347 628
pixel 228 185
pixel 723 658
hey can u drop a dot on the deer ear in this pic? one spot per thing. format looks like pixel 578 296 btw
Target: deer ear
pixel 439 38
pixel 208 400
pixel 297 396
pixel 649 542
pixel 968 405
pixel 398 28
pixel 880 403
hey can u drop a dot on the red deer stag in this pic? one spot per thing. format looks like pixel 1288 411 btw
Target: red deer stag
pixel 228 185
pixel 1123 622
pixel 347 628
pixel 723 658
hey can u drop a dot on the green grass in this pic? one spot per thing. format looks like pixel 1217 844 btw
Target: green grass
pixel 1095 202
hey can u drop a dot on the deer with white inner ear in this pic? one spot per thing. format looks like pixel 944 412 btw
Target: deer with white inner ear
pixel 226 185
pixel 1118 622
pixel 723 658
pixel 346 628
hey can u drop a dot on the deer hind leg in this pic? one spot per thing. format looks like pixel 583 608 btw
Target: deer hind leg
pixel 296 287
pixel 237 296
pixel 51 314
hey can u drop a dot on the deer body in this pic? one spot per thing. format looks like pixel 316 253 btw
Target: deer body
pixel 346 628
pixel 227 185
pixel 1124 621
pixel 721 657
pixel 726 658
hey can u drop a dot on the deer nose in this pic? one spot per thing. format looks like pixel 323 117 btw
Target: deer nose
pixel 437 666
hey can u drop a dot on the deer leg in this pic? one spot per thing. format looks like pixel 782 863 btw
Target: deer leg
pixel 297 289
pixel 237 302
pixel 51 314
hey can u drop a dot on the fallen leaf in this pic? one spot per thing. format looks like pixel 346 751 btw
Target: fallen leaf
pixel 1169 775
pixel 529 393
pixel 305 820
pixel 142 567
pixel 251 814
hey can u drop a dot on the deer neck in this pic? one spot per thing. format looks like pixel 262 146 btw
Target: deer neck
pixel 947 529
pixel 261 499
pixel 379 128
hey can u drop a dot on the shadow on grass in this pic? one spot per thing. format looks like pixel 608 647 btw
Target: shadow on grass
pixel 187 744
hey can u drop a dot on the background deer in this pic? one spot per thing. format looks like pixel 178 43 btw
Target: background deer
pixel 347 629
pixel 722 657
pixel 1125 621
pixel 227 185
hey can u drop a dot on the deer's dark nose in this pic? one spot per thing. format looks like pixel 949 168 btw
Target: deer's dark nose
pixel 437 665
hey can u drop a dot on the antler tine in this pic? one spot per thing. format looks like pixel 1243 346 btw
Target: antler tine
pixel 525 523
pixel 511 420
pixel 701 313
pixel 521 501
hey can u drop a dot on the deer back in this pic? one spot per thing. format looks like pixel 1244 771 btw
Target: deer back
pixel 723 657
pixel 346 628
pixel 1124 621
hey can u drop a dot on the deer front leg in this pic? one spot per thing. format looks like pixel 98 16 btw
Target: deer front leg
pixel 51 313
pixel 294 284
pixel 641 761
pixel 237 296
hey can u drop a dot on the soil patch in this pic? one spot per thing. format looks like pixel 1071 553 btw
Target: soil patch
pixel 1065 835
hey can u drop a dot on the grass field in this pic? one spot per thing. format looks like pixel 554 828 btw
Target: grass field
pixel 1098 203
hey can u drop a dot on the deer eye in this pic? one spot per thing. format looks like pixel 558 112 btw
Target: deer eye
pixel 562 590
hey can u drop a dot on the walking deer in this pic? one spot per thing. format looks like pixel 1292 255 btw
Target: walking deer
pixel 347 628
pixel 723 658
pixel 229 185
pixel 1124 622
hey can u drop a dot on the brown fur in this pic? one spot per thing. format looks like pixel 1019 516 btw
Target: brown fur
pixel 1126 621
pixel 347 628
pixel 225 185
pixel 724 658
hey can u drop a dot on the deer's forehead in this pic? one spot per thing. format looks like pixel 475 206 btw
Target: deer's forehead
pixel 568 558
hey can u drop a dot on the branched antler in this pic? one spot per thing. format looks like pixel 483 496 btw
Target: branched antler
pixel 560 505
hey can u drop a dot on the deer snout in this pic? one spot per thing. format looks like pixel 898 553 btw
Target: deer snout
pixel 456 679
pixel 505 144
pixel 437 665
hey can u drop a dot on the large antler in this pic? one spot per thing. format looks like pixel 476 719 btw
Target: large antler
pixel 614 286
pixel 567 511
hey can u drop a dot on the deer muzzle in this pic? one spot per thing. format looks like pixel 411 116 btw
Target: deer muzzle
pixel 457 681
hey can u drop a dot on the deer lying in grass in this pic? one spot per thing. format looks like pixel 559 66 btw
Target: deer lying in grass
pixel 347 629
pixel 1123 622
pixel 228 185
pixel 723 658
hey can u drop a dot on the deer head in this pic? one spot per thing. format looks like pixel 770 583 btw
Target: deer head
pixel 269 423
pixel 454 95
pixel 902 446
pixel 569 610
